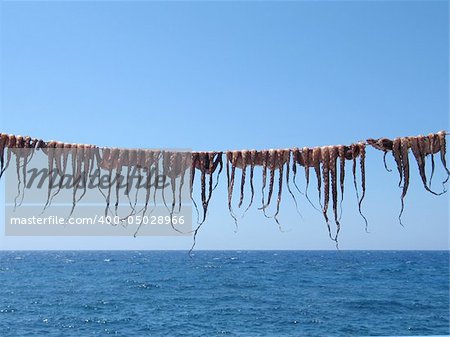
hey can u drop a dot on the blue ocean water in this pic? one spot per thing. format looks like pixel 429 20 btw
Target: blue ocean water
pixel 248 293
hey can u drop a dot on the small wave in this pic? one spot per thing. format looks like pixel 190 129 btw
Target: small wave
pixel 148 285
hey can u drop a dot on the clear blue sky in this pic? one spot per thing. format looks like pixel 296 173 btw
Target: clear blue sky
pixel 233 75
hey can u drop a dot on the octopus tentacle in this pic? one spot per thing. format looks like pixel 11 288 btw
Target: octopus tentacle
pixel 404 146
pixel 287 154
pixel 157 158
pixel 297 159
pixel 62 158
pixel 264 161
pixel 431 152
pixel 396 152
pixel 307 156
pixel 128 185
pixel 382 144
pixel 208 169
pixel 174 172
pixel 185 161
pixel 253 155
pixel 194 163
pixel 385 163
pixel 245 155
pixel 10 145
pixel 138 166
pixel 131 169
pixel 207 166
pixel 281 158
pixel 102 155
pixel 132 157
pixel 77 163
pixel 317 153
pixel 120 163
pixel 28 154
pixel 58 157
pixel 443 147
pixel 18 152
pixel 211 169
pixel 418 148
pixel 341 155
pixel 80 160
pixel 50 154
pixel 166 165
pixel 232 158
pixel 73 153
pixel 87 168
pixel 218 162
pixel 3 143
pixel 142 166
pixel 354 149
pixel 272 160
pixel 174 165
pixel 203 158
pixel 362 161
pixel 334 154
pixel 111 160
pixel 148 184
pixel 325 159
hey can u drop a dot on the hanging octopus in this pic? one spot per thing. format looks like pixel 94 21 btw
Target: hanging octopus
pixel 328 163
pixel 206 163
pixel 421 147
pixel 23 151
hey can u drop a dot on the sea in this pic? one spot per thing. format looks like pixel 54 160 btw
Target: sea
pixel 224 293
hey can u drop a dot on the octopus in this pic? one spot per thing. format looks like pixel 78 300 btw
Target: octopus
pixel 207 163
pixel 277 159
pixel 328 163
pixel 421 147
pixel 271 161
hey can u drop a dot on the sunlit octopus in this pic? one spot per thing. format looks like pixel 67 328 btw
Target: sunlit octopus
pixel 278 167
